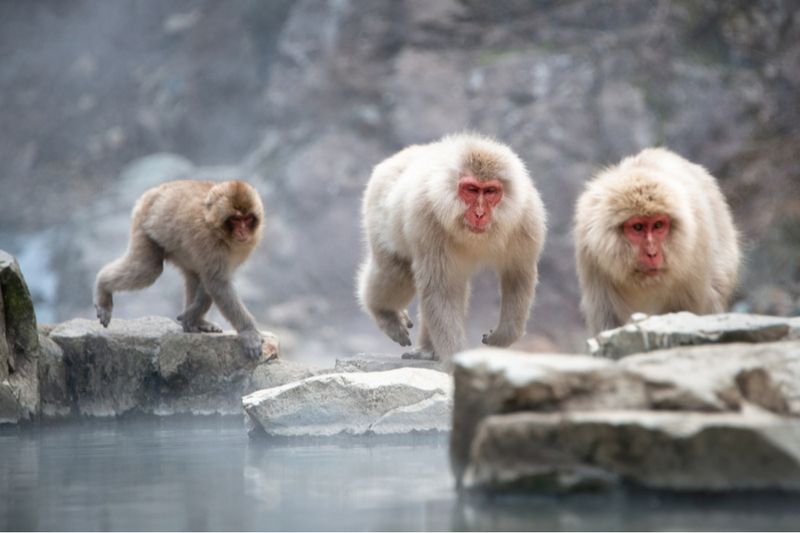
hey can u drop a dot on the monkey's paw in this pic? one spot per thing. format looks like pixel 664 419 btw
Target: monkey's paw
pixel 104 314
pixel 497 338
pixel 199 326
pixel 395 324
pixel 252 341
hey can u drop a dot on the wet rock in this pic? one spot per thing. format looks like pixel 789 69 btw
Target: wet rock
pixel 686 329
pixel 395 401
pixel 147 365
pixel 675 419
pixel 19 345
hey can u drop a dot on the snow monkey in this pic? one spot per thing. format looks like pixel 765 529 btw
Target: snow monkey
pixel 653 234
pixel 432 215
pixel 207 229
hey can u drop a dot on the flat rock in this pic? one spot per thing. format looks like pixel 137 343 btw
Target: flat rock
pixel 378 363
pixel 146 365
pixel 725 383
pixel 687 329
pixel 394 401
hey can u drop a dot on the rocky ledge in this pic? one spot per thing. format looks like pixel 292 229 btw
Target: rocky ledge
pixel 695 418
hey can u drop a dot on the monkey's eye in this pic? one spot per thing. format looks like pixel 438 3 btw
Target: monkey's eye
pixel 474 190
pixel 638 227
pixel 491 190
pixel 658 225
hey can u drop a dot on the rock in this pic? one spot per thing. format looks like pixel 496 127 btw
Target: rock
pixel 54 395
pixel 542 421
pixel 685 329
pixel 370 363
pixel 146 365
pixel 662 450
pixel 394 401
pixel 19 345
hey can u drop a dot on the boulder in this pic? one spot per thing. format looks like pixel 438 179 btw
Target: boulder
pixel 146 365
pixel 393 401
pixel 558 452
pixel 19 345
pixel 645 333
pixel 377 363
pixel 564 422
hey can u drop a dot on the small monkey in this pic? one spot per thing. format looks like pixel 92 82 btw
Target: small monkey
pixel 207 229
pixel 653 234
pixel 432 215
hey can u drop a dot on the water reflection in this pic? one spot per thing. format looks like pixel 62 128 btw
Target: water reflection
pixel 204 474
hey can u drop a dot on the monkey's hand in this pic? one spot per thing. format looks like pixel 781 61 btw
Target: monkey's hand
pixel 104 314
pixel 498 338
pixel 395 324
pixel 252 341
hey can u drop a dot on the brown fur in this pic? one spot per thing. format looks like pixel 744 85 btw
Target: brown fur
pixel 184 222
pixel 701 252
pixel 418 242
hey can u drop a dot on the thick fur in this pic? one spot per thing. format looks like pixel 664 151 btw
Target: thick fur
pixel 701 252
pixel 184 222
pixel 418 242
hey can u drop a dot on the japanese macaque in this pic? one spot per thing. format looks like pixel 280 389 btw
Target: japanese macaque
pixel 654 235
pixel 207 229
pixel 432 215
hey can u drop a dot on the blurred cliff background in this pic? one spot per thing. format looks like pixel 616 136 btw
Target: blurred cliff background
pixel 101 100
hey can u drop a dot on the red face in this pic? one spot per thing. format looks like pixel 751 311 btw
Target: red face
pixel 480 197
pixel 647 235
pixel 241 227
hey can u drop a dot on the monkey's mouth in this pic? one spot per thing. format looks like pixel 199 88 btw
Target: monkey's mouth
pixel 651 272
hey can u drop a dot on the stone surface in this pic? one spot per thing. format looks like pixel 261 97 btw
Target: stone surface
pixel 557 452
pixel 375 363
pixel 741 394
pixel 394 401
pixel 19 345
pixel 685 329
pixel 146 365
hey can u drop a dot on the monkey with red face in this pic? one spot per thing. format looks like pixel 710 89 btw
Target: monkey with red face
pixel 653 234
pixel 432 215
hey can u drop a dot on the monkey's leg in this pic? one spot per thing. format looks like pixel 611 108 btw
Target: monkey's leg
pixel 221 291
pixel 138 268
pixel 443 298
pixel 386 287
pixel 198 302
pixel 517 288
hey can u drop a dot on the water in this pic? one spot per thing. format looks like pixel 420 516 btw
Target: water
pixel 204 474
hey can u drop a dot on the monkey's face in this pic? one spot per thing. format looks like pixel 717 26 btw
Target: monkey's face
pixel 648 234
pixel 481 197
pixel 241 227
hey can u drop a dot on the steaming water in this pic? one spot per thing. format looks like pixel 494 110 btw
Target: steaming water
pixel 204 473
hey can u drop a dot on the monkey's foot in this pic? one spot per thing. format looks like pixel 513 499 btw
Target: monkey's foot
pixel 421 355
pixel 252 341
pixel 200 326
pixel 104 315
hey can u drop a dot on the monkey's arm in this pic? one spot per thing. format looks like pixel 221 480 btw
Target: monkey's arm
pixel 221 291
pixel 517 287
pixel 442 298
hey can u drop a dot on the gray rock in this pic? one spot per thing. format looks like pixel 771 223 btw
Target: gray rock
pixel 395 401
pixel 372 363
pixel 146 365
pixel 19 345
pixel 686 329
pixel 54 395
pixel 737 394
pixel 662 450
